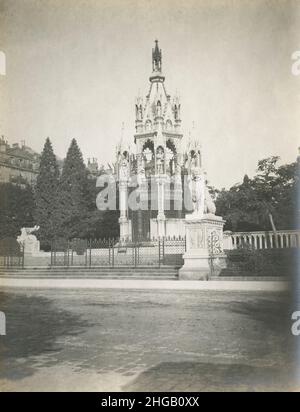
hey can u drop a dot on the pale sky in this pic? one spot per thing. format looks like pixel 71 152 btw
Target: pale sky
pixel 74 68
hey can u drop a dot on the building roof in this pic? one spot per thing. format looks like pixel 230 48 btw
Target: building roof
pixel 23 152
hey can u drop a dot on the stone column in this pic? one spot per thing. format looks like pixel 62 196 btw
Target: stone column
pixel 123 206
pixel 143 204
pixel 178 195
pixel 161 218
pixel 204 247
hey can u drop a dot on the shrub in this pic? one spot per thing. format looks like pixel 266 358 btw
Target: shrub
pixel 263 262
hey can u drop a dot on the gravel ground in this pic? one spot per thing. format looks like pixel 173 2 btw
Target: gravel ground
pixel 137 340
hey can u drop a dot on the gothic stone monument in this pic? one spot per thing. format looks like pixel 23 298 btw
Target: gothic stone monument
pixel 163 171
pixel 158 164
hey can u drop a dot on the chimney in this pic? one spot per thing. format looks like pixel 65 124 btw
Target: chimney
pixel 3 144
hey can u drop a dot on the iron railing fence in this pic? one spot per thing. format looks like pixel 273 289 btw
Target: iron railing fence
pixel 118 252
pixel 11 253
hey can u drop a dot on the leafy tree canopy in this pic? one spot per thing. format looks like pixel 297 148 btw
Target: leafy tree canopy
pixel 270 196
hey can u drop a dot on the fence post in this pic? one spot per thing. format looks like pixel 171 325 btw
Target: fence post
pixel 109 252
pixel 23 256
pixel 136 254
pixel 90 253
pixel 71 244
pixel 86 253
pixel 159 252
pixel 68 254
pixel 53 253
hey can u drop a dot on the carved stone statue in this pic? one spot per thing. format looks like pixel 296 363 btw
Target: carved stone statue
pixel 160 160
pixel 148 154
pixel 197 188
pixel 29 242
pixel 141 170
pixel 124 168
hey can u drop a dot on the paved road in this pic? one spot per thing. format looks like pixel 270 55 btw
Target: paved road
pixel 47 282
pixel 145 340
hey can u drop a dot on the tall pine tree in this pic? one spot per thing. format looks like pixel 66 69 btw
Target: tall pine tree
pixel 46 193
pixel 73 196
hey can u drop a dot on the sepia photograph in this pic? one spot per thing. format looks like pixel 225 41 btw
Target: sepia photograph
pixel 149 198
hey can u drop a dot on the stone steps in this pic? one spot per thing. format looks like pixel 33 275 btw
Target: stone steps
pixel 90 270
pixel 121 276
pixel 250 278
pixel 165 273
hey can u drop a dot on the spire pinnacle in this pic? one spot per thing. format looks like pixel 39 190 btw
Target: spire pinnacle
pixel 156 58
pixel 156 75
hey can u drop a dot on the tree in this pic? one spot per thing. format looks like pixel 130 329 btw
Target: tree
pixel 99 223
pixel 239 207
pixel 46 193
pixel 16 208
pixel 73 195
pixel 266 202
pixel 276 190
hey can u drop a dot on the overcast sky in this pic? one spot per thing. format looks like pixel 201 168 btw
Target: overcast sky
pixel 74 69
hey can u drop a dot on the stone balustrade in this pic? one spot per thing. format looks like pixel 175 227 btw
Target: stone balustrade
pixel 262 240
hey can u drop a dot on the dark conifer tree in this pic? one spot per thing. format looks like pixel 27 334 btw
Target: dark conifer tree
pixel 46 193
pixel 73 198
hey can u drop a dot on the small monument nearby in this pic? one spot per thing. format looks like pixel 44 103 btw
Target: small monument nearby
pixel 29 242
pixel 204 230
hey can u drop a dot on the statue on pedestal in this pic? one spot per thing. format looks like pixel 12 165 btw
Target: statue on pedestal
pixel 197 188
pixel 29 242
pixel 124 168
pixel 201 198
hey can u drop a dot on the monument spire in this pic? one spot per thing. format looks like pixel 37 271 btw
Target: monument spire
pixel 156 58
pixel 156 64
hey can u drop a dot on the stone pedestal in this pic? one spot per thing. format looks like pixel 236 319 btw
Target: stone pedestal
pixel 125 228
pixel 204 255
pixel 161 226
pixel 29 242
pixel 161 219
pixel 31 246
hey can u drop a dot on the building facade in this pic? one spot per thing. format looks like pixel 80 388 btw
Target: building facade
pixel 18 163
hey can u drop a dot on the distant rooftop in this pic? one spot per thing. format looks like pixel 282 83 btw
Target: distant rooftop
pixel 17 149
